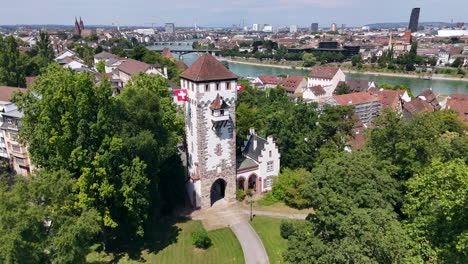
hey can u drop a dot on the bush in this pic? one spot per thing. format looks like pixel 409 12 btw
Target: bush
pixel 268 199
pixel 249 192
pixel 289 185
pixel 240 195
pixel 286 229
pixel 200 238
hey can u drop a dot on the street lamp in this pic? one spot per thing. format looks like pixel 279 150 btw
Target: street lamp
pixel 251 203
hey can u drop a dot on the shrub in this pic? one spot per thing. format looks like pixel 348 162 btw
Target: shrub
pixel 268 199
pixel 286 229
pixel 249 192
pixel 240 195
pixel 289 185
pixel 200 238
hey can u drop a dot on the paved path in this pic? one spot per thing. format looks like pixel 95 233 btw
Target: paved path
pixel 281 215
pixel 254 251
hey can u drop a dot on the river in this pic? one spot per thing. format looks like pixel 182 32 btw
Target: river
pixel 417 85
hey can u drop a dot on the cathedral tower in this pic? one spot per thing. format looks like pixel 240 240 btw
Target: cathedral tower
pixel 210 131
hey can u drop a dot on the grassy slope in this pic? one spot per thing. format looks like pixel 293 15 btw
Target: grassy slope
pixel 225 249
pixel 267 229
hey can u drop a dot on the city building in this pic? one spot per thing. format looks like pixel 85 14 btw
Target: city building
pixel 426 101
pixel 6 92
pixel 366 105
pixel 103 56
pixel 459 103
pixel 314 27
pixel 333 27
pixel 267 82
pixel 414 20
pixel 214 172
pixel 256 27
pixel 327 78
pixel 294 85
pixel 210 131
pixel 259 163
pixel 169 27
pixel 293 28
pixel 131 67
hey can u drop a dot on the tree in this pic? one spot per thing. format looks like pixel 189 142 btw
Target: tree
pixel 44 219
pixel 309 59
pixel 356 59
pixel 117 148
pixel 44 49
pixel 289 186
pixel 101 66
pixel 457 63
pixel 343 88
pixel 362 236
pixel 436 205
pixel 11 68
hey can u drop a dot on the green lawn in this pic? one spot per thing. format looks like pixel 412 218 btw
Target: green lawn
pixel 267 229
pixel 225 249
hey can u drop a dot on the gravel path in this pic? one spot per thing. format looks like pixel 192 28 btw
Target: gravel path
pixel 254 251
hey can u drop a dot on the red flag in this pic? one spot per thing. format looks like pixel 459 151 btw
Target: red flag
pixel 240 87
pixel 181 95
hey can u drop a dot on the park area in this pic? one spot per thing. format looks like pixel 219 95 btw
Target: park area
pixel 179 249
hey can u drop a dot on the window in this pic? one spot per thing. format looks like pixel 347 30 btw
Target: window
pixel 228 86
pixel 217 87
pixel 19 160
pixel 207 88
pixel 222 112
pixel 270 166
pixel 16 148
pixel 270 153
pixel 269 182
pixel 13 135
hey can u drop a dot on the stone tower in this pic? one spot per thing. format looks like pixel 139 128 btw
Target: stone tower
pixel 210 131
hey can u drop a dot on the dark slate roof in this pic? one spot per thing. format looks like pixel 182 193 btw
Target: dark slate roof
pixel 252 153
pixel 207 68
pixel 105 56
pixel 244 163
pixel 358 85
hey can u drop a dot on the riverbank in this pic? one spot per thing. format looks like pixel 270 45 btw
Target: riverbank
pixel 404 75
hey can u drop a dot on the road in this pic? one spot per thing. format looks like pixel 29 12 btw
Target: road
pixel 254 251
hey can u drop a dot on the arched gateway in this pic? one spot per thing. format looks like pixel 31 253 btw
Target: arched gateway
pixel 218 190
pixel 210 130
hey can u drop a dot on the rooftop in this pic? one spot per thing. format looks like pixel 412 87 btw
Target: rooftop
pixel 207 68
pixel 323 72
pixel 356 98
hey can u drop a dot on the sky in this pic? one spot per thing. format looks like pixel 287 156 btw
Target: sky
pixel 226 13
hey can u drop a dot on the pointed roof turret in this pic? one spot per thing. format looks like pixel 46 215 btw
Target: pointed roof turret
pixel 207 68
pixel 218 103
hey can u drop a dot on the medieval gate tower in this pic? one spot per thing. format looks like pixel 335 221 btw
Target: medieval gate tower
pixel 210 131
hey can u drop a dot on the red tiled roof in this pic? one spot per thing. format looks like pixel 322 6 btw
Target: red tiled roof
pixel 459 103
pixel 418 105
pixel 207 68
pixel 430 97
pixel 30 81
pixel 291 83
pixel 267 79
pixel 131 66
pixel 323 72
pixel 182 65
pixel 167 53
pixel 6 92
pixel 356 98
pixel 218 103
pixel 390 98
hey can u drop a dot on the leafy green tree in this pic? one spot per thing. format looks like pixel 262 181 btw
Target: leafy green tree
pixel 101 66
pixel 45 219
pixel 356 59
pixel 410 145
pixel 309 60
pixel 117 148
pixel 44 49
pixel 457 63
pixel 11 68
pixel 436 205
pixel 343 88
pixel 289 187
pixel 362 236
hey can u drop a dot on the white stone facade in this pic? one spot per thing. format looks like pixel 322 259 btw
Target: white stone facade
pixel 259 164
pixel 329 85
pixel 211 140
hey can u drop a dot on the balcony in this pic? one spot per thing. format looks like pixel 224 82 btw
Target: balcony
pixel 219 115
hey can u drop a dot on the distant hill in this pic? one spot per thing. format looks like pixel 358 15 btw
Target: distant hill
pixel 405 24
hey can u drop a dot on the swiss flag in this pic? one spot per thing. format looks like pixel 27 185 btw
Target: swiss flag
pixel 240 87
pixel 181 94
